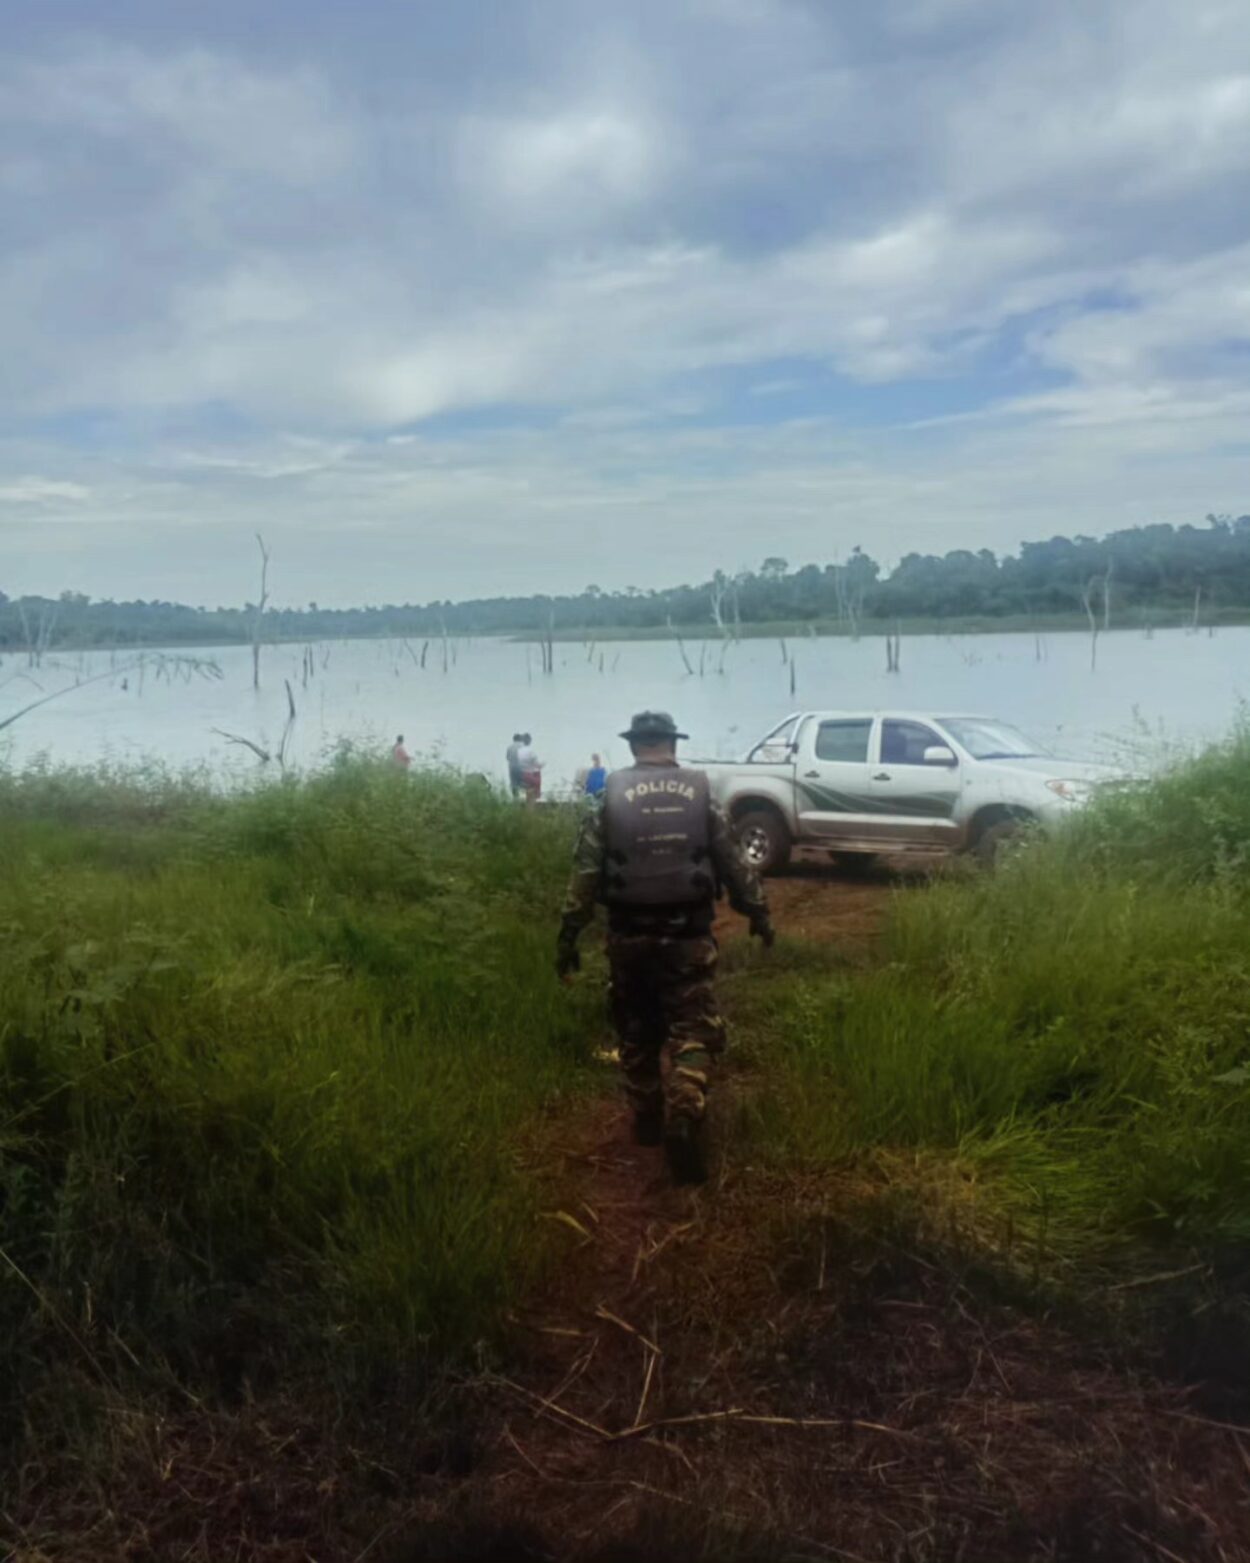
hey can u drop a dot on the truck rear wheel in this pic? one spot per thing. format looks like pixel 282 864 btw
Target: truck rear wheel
pixel 764 840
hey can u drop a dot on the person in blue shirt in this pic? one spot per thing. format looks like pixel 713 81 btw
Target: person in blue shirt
pixel 596 777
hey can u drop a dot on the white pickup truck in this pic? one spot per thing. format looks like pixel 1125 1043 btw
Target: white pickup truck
pixel 870 782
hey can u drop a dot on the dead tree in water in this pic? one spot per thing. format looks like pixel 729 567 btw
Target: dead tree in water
pixel 290 725
pixel 162 662
pixel 893 650
pixel 724 595
pixel 37 644
pixel 260 610
pixel 1087 597
pixel 681 649
pixel 720 585
pixel 262 754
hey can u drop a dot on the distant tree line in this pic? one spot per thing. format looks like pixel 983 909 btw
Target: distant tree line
pixel 1127 572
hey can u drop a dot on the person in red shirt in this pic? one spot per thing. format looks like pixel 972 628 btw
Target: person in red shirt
pixel 400 755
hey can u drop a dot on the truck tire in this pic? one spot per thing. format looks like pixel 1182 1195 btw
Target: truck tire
pixel 992 839
pixel 763 840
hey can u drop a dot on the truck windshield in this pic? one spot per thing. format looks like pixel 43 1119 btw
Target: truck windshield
pixel 988 740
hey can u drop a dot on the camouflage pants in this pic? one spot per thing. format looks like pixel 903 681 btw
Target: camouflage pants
pixel 664 1011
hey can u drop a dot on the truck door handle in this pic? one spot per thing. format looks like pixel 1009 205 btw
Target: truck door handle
pixel 811 775
pixel 882 776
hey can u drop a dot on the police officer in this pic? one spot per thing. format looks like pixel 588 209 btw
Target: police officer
pixel 657 851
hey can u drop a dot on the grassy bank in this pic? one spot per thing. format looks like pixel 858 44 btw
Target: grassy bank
pixel 1070 1035
pixel 263 1062
pixel 275 1070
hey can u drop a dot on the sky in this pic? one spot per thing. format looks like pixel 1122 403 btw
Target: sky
pixel 455 300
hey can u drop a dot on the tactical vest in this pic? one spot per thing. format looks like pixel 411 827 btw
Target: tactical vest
pixel 657 829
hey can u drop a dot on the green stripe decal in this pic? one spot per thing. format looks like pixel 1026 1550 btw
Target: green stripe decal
pixel 827 800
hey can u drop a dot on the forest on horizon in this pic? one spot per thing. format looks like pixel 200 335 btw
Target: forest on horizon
pixel 1189 569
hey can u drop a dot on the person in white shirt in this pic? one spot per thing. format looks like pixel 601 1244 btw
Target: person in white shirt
pixel 531 769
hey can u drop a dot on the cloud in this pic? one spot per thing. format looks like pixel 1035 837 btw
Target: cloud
pixel 600 224
pixel 40 491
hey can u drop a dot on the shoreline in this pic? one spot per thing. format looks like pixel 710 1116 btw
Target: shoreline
pixel 1148 621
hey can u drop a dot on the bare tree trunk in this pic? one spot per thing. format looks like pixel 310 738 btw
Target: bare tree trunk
pixel 1197 609
pixel 1087 597
pixel 30 645
pixel 260 610
pixel 894 650
pixel 681 650
pixel 719 587
pixel 262 755
pixel 289 728
pixel 117 670
pixel 47 623
pixel 38 640
pixel 1106 594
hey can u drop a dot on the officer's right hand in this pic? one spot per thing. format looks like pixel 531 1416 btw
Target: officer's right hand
pixel 568 961
pixel 763 930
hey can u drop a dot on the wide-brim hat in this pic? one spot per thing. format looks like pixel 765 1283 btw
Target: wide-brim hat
pixel 652 724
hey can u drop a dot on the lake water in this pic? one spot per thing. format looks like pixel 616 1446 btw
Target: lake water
pixel 1146 694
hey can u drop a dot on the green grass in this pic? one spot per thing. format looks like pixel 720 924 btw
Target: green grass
pixel 1072 1033
pixel 268 1062
pixel 263 1066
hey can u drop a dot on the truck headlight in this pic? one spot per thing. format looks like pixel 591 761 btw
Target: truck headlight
pixel 1071 791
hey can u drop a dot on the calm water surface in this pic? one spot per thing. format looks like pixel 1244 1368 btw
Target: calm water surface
pixel 1145 696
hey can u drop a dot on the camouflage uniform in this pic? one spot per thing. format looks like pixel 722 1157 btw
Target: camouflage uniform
pixel 662 961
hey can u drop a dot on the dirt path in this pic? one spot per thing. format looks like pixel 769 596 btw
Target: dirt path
pixel 767 1368
pixel 810 904
pixel 752 1370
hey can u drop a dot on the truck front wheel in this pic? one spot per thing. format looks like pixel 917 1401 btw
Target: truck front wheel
pixel 764 840
pixel 994 838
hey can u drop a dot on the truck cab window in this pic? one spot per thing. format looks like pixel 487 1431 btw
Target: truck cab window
pixel 845 742
pixel 904 743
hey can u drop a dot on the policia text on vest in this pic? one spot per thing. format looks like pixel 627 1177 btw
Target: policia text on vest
pixel 657 838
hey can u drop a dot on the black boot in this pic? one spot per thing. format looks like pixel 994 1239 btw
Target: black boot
pixel 649 1125
pixel 683 1148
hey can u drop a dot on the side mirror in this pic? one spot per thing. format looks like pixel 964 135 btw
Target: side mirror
pixel 939 754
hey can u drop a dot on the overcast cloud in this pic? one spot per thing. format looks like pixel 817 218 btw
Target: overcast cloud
pixel 462 299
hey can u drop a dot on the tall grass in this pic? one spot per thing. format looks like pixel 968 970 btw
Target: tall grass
pixel 263 1062
pixel 1074 1032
